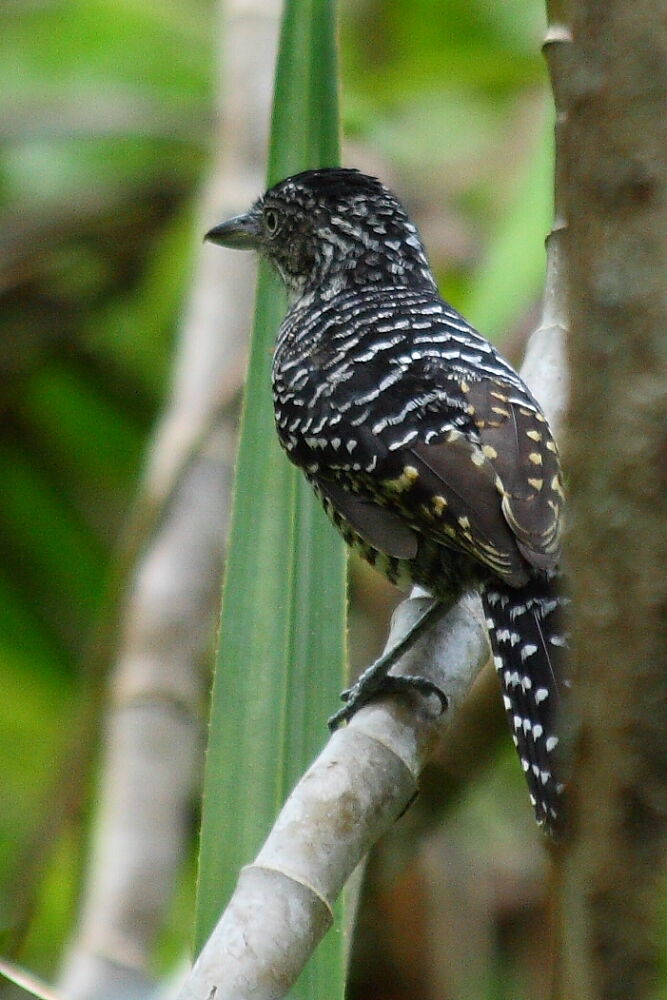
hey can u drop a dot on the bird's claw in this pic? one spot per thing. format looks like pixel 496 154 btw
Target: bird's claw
pixel 359 694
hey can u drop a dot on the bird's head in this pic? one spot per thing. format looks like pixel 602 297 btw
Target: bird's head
pixel 331 229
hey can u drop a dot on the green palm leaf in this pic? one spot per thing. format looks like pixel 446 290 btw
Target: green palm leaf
pixel 281 656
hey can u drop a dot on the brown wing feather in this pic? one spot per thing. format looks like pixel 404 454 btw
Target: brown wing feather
pixel 518 443
pixel 498 498
pixel 462 506
pixel 495 495
pixel 382 529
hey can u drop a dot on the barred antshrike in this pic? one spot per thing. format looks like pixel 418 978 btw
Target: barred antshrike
pixel 427 450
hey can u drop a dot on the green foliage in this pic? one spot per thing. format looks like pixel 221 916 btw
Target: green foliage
pixel 477 47
pixel 513 267
pixel 106 109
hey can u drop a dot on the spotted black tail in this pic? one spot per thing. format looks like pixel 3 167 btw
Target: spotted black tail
pixel 527 636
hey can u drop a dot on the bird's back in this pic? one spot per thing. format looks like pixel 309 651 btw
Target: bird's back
pixel 390 394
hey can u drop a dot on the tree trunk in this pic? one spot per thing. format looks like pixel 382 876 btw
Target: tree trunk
pixel 616 456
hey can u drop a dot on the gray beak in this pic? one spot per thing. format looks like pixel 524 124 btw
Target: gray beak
pixel 240 233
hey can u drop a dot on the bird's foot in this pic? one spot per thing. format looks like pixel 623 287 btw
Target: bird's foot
pixel 361 693
pixel 376 679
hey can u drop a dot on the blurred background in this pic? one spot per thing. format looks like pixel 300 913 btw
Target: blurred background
pixel 109 129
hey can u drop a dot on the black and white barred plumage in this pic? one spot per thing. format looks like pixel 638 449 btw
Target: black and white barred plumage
pixel 428 451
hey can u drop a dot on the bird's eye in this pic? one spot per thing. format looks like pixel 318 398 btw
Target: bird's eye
pixel 271 221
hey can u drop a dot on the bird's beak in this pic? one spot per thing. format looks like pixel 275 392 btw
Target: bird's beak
pixel 240 233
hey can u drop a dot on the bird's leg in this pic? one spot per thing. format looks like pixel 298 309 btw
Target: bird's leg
pixel 375 679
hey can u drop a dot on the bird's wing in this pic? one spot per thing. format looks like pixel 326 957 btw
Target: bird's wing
pixel 501 484
pixel 515 435
pixel 416 421
pixel 380 527
pixel 482 477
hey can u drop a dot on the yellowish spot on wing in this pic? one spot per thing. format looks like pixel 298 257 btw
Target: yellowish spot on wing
pixel 551 445
pixel 404 481
pixel 535 458
pixel 477 457
pixel 537 484
pixel 439 503
pixel 489 451
pixel 534 436
pixel 465 523
pixel 498 395
pixel 540 416
pixel 500 411
pixel 465 387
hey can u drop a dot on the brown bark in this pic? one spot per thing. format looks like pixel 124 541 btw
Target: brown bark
pixel 616 169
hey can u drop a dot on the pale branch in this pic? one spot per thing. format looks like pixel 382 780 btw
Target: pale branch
pixel 363 780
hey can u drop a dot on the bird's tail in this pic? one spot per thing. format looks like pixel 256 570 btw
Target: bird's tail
pixel 529 643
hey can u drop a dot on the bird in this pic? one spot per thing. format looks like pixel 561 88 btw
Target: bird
pixel 428 452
